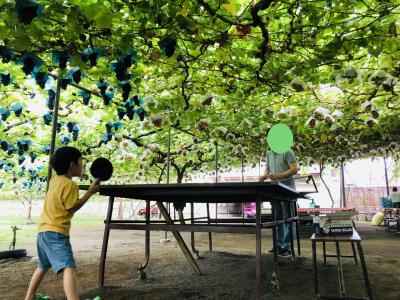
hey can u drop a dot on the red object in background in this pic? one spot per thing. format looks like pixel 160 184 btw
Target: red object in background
pixel 153 211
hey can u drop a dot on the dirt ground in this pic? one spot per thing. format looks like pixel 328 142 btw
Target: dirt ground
pixel 228 271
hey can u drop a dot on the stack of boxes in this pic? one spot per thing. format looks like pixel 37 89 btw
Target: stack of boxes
pixel 334 224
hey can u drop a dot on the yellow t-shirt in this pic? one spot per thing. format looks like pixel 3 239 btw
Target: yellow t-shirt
pixel 63 194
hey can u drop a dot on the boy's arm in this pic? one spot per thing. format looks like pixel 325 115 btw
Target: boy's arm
pixel 93 189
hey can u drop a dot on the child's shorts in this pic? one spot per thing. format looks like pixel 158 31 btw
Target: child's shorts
pixel 54 250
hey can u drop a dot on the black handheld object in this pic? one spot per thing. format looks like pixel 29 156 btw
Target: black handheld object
pixel 101 168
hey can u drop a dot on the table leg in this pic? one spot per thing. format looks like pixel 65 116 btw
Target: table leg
pixel 179 239
pixel 354 252
pixel 105 241
pixel 274 243
pixel 291 214
pixel 141 272
pixel 243 213
pixel 181 217
pixel 315 270
pixel 354 224
pixel 340 271
pixel 297 230
pixel 324 252
pixel 365 271
pixel 258 248
pixel 209 234
pixel 169 211
pixel 194 250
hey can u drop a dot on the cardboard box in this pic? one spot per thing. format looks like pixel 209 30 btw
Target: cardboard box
pixel 333 224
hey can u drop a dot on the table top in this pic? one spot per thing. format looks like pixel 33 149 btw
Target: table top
pixel 202 192
pixel 355 237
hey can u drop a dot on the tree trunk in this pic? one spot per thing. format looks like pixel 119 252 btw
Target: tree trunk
pixel 30 211
pixel 321 168
pixel 180 177
pixel 161 174
pixel 121 210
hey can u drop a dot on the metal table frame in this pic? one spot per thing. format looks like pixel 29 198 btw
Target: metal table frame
pixel 201 193
pixel 354 238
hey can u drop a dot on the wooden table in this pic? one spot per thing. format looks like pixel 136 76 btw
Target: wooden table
pixel 257 192
pixel 337 239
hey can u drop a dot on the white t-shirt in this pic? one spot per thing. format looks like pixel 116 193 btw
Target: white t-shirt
pixel 394 196
pixel 279 163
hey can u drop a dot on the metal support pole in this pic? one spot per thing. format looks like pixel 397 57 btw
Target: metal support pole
pixel 168 165
pixel 208 222
pixel 242 212
pixel 192 238
pixel 354 252
pixel 297 229
pixel 274 240
pixel 342 187
pixel 54 131
pixel 315 269
pixel 340 271
pixel 142 267
pixel 291 228
pixel 216 177
pixel 242 168
pixel 105 241
pixel 258 248
pixel 169 150
pixel 365 271
pixel 216 162
pixel 386 177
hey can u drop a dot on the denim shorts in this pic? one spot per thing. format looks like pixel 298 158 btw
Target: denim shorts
pixel 54 250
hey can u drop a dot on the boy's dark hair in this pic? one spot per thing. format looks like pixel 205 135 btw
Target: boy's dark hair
pixel 63 157
pixel 394 189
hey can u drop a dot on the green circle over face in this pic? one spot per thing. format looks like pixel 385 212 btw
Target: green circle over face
pixel 280 138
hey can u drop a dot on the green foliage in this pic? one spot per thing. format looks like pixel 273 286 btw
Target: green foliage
pixel 209 61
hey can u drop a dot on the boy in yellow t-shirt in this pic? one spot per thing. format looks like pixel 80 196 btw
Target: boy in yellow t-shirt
pixel 61 202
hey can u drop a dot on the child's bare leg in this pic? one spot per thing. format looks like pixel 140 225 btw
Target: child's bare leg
pixel 71 284
pixel 35 281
